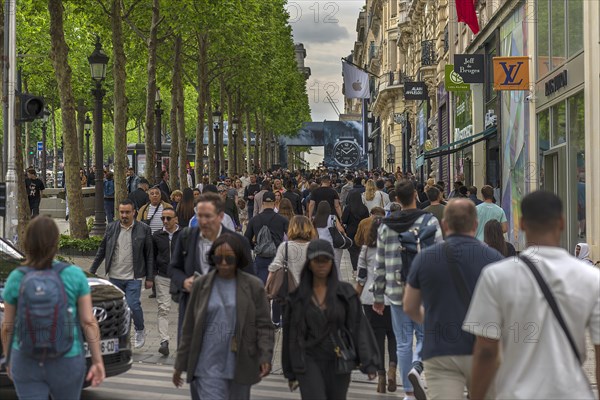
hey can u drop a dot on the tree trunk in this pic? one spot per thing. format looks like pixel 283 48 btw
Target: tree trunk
pixel 62 71
pixel 81 110
pixel 211 137
pixel 257 153
pixel 55 146
pixel 248 144
pixel 231 161
pixel 151 95
pixel 2 171
pixel 201 108
pixel 181 126
pixel 175 136
pixel 23 212
pixel 221 132
pixel 120 104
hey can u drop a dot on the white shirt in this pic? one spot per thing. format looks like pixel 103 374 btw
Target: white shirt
pixel 296 258
pixel 155 223
pixel 378 200
pixel 508 305
pixel 202 249
pixel 228 222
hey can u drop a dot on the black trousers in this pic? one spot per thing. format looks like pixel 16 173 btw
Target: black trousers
pixel 320 382
pixel 354 251
pixel 382 328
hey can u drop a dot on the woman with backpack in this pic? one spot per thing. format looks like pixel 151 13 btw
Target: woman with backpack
pixel 325 333
pixel 38 365
pixel 381 324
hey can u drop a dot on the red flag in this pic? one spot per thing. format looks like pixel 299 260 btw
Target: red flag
pixel 465 10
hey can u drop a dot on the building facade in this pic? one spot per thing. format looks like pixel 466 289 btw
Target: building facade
pixel 515 140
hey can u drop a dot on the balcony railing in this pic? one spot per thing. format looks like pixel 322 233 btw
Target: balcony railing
pixel 428 56
pixel 446 39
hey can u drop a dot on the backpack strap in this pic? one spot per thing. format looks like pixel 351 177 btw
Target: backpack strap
pixel 425 222
pixel 60 266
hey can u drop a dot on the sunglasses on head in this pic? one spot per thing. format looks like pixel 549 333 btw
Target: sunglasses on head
pixel 217 260
pixel 166 218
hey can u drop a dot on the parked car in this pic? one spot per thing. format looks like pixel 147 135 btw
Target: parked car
pixel 110 309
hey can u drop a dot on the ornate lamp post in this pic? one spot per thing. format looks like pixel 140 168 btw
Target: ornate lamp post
pixel 158 135
pixel 216 120
pixel 87 126
pixel 44 130
pixel 98 61
pixel 234 130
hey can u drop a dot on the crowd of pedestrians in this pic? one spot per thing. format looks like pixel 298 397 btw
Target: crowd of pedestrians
pixel 433 278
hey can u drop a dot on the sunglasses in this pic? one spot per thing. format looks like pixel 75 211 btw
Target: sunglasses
pixel 218 260
pixel 166 218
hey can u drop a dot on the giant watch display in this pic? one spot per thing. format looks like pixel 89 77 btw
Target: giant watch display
pixel 346 151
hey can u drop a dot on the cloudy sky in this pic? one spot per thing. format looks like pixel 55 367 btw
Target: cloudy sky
pixel 328 31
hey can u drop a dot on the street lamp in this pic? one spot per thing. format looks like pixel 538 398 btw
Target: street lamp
pixel 87 126
pixel 98 61
pixel 234 129
pixel 272 152
pixel 44 130
pixel 216 120
pixel 158 135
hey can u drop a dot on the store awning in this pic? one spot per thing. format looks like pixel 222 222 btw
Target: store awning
pixel 460 144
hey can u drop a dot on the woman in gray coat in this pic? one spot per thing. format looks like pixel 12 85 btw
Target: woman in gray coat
pixel 227 336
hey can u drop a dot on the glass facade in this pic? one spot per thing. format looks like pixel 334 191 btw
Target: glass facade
pixel 561 144
pixel 559 33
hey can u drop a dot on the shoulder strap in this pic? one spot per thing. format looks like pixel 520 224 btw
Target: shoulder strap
pixel 457 278
pixel 155 211
pixel 60 266
pixel 552 302
pixel 425 221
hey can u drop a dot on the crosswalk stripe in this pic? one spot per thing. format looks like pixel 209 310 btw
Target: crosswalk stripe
pixel 153 381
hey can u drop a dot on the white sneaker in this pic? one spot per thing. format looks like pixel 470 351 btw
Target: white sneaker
pixel 139 339
pixel 418 385
pixel 409 398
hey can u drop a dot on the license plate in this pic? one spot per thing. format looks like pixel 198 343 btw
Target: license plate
pixel 107 346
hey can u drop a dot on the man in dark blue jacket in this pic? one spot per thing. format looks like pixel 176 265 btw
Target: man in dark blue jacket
pixel 190 256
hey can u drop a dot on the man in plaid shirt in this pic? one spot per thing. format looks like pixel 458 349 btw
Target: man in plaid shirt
pixel 387 283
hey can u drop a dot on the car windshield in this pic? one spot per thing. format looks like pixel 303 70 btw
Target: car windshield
pixel 10 258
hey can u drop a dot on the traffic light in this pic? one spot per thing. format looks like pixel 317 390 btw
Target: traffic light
pixel 30 151
pixel 32 107
pixel 2 199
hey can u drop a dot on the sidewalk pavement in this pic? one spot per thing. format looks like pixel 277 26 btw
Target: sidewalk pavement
pixel 149 353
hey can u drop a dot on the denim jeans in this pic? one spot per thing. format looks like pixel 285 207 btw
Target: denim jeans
pixel 109 209
pixel 404 330
pixel 62 378
pixel 133 291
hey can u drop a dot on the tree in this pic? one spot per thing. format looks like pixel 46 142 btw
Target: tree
pixel 62 70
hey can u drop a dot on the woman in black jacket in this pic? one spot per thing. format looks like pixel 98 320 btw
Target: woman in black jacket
pixel 318 314
pixel 353 213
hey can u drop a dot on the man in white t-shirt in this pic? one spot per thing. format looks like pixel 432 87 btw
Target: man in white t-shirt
pixel 510 315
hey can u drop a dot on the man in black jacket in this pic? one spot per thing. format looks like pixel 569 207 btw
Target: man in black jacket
pixel 163 247
pixel 140 195
pixel 164 184
pixel 295 199
pixel 251 190
pixel 127 249
pixel 189 257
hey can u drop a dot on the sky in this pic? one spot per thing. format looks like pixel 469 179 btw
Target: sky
pixel 328 31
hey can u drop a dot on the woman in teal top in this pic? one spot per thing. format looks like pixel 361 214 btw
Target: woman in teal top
pixel 60 377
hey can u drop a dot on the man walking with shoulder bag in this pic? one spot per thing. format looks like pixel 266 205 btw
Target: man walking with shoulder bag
pixel 442 279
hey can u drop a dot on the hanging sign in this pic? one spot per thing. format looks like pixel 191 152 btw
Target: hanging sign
pixel 415 91
pixel 470 67
pixel 453 81
pixel 511 73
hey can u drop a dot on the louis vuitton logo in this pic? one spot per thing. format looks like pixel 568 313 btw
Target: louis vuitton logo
pixel 511 71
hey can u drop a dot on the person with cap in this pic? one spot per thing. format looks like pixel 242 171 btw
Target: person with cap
pixel 278 227
pixel 323 314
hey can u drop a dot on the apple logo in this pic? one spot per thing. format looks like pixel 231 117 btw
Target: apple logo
pixel 357 86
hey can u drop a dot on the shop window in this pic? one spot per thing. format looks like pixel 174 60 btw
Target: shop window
pixel 577 168
pixel 559 33
pixel 543 38
pixel 575 28
pixel 559 124
pixel 543 141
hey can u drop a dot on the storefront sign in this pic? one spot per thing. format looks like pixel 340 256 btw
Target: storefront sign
pixel 415 91
pixel 511 73
pixel 557 82
pixel 453 81
pixel 470 67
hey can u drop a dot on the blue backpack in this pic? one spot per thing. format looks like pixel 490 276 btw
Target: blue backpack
pixel 45 322
pixel 413 241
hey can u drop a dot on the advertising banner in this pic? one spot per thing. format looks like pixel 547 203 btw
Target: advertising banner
pixel 453 81
pixel 470 67
pixel 511 73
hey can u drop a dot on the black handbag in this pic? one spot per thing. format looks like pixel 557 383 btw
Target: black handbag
pixel 346 359
pixel 339 240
